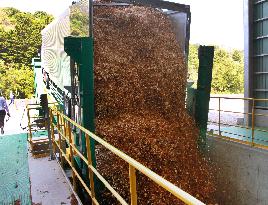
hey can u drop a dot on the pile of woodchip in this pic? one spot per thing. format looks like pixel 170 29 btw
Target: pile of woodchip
pixel 140 79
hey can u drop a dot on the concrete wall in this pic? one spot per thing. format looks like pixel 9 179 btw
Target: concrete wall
pixel 261 121
pixel 242 174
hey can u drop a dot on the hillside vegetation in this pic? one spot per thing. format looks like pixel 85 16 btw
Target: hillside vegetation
pixel 228 70
pixel 20 41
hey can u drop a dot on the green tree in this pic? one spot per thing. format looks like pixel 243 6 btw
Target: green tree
pixel 20 41
pixel 193 62
pixel 237 56
pixel 228 70
pixel 79 21
pixel 20 81
pixel 21 44
pixel 11 11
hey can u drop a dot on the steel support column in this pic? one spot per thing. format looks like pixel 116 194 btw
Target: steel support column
pixel 205 55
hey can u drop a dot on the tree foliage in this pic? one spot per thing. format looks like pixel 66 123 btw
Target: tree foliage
pixel 228 69
pixel 79 21
pixel 20 80
pixel 20 41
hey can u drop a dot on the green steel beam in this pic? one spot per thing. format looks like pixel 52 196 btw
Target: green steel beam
pixel 38 80
pixel 80 49
pixel 205 55
pixel 190 98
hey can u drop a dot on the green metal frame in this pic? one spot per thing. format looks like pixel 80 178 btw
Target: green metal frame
pixel 80 49
pixel 206 56
pixel 36 65
pixel 190 100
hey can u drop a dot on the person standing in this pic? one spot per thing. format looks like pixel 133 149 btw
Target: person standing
pixel 3 111
pixel 12 98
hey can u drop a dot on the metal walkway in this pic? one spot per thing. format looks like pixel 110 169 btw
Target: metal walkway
pixel 23 178
pixel 49 186
pixel 14 170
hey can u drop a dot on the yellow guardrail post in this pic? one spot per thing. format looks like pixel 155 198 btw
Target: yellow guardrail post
pixel 71 154
pixel 248 114
pixel 59 134
pixel 220 116
pixel 253 121
pixel 52 130
pixel 29 125
pixel 133 186
pixel 66 133
pixel 90 164
pixel 65 129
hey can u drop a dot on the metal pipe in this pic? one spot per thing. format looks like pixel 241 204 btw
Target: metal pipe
pixel 52 131
pixel 71 154
pixel 133 185
pixel 91 174
pixel 231 125
pixel 91 18
pixel 219 116
pixel 29 125
pixel 59 134
pixel 229 111
pixel 247 119
pixel 252 121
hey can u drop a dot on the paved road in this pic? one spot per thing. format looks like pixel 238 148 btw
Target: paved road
pixel 234 105
pixel 12 126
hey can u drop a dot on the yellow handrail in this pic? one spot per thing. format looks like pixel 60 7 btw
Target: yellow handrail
pixel 238 98
pixel 133 166
pixel 29 108
pixel 251 117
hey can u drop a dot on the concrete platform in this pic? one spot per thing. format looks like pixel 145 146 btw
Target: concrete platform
pixel 49 185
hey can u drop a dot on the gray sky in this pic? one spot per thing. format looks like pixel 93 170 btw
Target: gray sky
pixel 218 22
pixel 55 7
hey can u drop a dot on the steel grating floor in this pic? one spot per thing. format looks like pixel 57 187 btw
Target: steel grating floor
pixel 14 170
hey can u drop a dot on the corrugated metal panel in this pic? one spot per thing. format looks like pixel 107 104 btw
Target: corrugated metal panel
pixel 260 50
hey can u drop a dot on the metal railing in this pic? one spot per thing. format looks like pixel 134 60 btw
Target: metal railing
pixel 245 131
pixel 33 115
pixel 36 122
pixel 64 127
